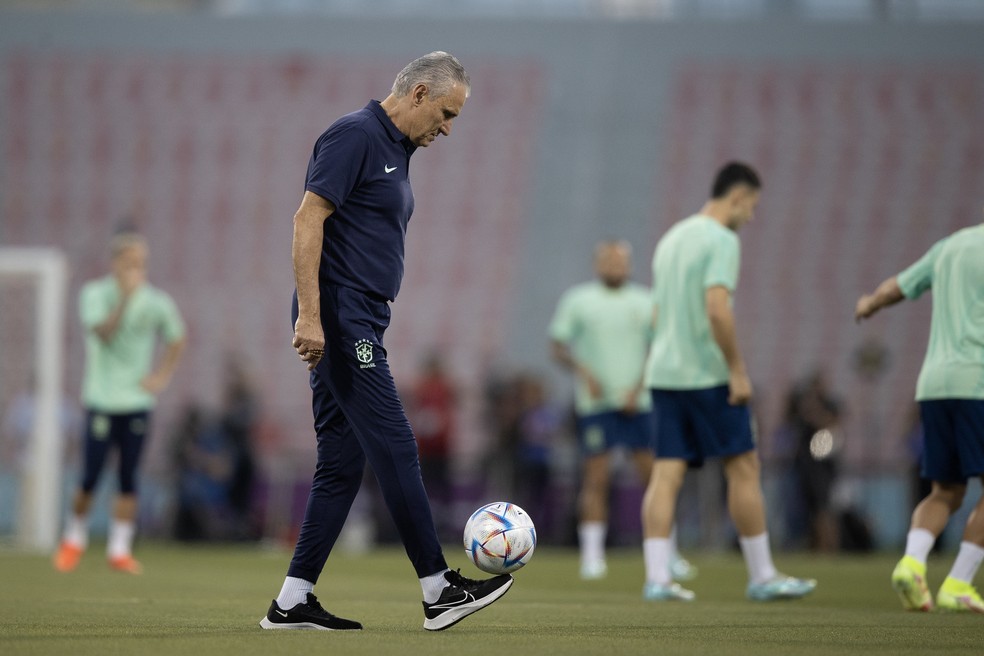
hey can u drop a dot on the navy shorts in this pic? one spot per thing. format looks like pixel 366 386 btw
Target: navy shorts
pixel 603 431
pixel 125 432
pixel 694 425
pixel 953 436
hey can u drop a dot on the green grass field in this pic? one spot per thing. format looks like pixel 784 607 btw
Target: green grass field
pixel 207 600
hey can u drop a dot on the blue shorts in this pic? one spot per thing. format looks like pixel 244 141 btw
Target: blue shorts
pixel 694 425
pixel 606 430
pixel 126 433
pixel 953 437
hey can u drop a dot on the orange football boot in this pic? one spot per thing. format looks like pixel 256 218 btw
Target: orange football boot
pixel 127 564
pixel 68 557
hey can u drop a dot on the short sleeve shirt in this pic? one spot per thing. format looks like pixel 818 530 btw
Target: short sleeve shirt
pixel 361 164
pixel 694 255
pixel 114 370
pixel 608 331
pixel 954 269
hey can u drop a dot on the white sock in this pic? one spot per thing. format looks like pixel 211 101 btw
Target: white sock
pixel 758 558
pixel 591 535
pixel 294 592
pixel 120 538
pixel 433 585
pixel 674 549
pixel 77 531
pixel 968 561
pixel 656 554
pixel 918 543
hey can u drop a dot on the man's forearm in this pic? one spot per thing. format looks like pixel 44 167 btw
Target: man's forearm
pixel 171 357
pixel 306 255
pixel 887 293
pixel 723 330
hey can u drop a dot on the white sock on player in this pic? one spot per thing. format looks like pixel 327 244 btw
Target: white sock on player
pixel 674 549
pixel 758 558
pixel 294 592
pixel 120 542
pixel 918 543
pixel 591 536
pixel 77 531
pixel 432 586
pixel 656 554
pixel 968 562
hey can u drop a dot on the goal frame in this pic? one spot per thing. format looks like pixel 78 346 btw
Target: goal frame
pixel 41 490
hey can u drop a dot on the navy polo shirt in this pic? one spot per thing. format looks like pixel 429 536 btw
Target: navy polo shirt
pixel 361 164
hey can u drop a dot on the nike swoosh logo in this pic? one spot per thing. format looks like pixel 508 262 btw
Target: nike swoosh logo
pixel 389 169
pixel 281 613
pixel 465 597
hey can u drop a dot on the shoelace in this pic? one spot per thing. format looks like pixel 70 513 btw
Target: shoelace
pixel 316 607
pixel 458 581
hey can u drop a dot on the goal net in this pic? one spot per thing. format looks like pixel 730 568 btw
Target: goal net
pixel 33 284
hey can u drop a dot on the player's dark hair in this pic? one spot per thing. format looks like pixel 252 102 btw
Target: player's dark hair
pixel 733 174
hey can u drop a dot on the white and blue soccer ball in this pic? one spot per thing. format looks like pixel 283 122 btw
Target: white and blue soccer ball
pixel 499 537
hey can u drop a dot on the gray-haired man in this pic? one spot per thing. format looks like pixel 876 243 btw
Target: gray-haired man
pixel 349 235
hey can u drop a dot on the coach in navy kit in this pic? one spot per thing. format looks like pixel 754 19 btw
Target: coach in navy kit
pixel 349 235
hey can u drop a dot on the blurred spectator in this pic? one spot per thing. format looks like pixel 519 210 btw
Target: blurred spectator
pixel 538 423
pixel 215 465
pixel 17 427
pixel 812 415
pixel 239 419
pixel 430 408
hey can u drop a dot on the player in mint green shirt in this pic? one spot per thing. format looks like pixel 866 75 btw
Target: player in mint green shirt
pixel 601 332
pixel 124 317
pixel 700 388
pixel 950 392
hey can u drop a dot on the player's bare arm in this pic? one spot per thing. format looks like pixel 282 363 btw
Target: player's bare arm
pixel 158 380
pixel 630 404
pixel 887 293
pixel 562 354
pixel 309 230
pixel 722 322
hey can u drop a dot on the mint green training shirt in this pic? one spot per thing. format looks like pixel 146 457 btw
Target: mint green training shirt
pixel 114 370
pixel 608 331
pixel 954 269
pixel 695 254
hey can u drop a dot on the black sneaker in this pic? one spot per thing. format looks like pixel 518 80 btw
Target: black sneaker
pixel 461 598
pixel 309 615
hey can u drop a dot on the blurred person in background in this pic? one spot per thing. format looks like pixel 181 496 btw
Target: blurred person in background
pixel 701 389
pixel 533 436
pixel 600 332
pixel 812 415
pixel 950 392
pixel 348 248
pixel 431 413
pixel 215 465
pixel 124 317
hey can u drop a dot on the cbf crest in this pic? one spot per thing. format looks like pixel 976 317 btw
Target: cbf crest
pixel 363 352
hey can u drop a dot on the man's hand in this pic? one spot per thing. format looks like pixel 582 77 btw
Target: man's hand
pixel 130 279
pixel 156 382
pixel 865 307
pixel 886 294
pixel 739 389
pixel 309 341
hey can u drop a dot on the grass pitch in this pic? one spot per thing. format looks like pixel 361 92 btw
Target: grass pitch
pixel 208 600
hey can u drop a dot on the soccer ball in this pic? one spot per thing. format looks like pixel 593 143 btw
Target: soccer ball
pixel 499 537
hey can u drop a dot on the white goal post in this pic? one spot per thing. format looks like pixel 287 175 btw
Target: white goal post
pixel 41 489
